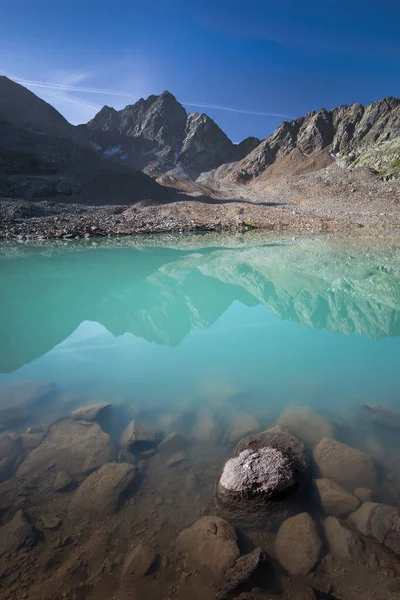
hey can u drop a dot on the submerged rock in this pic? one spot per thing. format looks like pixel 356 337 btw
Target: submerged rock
pixel 255 484
pixel 63 482
pixel 172 444
pixel 297 544
pixel 347 466
pixel 139 562
pixel 297 589
pixel 343 543
pixel 137 437
pixel 363 494
pixel 383 416
pixel 50 521
pixel 73 446
pixel 211 543
pixel 241 572
pixel 335 500
pixel 379 521
pixel 17 533
pixel 243 425
pixel 91 412
pixel 99 495
pixel 176 459
pixel 306 425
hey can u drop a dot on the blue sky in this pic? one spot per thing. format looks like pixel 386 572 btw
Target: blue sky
pixel 270 60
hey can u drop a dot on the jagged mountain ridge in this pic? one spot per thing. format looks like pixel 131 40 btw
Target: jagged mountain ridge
pixel 157 135
pixel 356 134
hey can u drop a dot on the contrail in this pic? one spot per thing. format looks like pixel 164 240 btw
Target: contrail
pixel 89 90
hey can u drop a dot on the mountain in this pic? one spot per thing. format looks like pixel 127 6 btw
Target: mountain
pixel 357 135
pixel 157 135
pixel 23 108
pixel 44 156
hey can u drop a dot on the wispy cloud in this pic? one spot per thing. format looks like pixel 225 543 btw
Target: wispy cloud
pixel 65 87
pixel 238 110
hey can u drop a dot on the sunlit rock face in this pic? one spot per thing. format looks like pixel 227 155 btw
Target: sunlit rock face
pixel 359 134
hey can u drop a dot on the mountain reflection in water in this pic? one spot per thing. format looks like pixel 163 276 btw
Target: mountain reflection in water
pixel 161 294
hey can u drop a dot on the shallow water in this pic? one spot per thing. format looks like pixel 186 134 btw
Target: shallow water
pixel 194 337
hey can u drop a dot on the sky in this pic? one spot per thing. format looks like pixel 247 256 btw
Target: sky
pixel 248 65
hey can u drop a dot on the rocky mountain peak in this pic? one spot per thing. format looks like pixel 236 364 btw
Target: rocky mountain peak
pixel 348 131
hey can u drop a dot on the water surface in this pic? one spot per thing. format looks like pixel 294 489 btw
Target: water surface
pixel 210 338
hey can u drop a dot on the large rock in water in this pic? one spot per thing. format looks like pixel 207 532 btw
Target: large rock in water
pixel 379 521
pixel 297 544
pixel 335 500
pixel 256 484
pixel 343 543
pixel 137 437
pixel 92 412
pixel 306 425
pixel 211 543
pixel 99 495
pixel 73 446
pixel 348 466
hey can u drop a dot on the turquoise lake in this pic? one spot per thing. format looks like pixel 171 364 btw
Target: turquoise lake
pixel 174 326
pixel 198 342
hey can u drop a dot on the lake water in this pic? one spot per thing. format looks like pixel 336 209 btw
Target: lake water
pixel 200 336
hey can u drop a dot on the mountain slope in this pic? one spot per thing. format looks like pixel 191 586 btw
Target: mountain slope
pixel 157 135
pixel 359 135
pixel 23 108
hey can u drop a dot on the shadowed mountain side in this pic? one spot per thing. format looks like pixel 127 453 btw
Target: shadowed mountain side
pixel 36 165
pixel 161 295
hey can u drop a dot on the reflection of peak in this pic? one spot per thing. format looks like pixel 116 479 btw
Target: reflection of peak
pixel 161 295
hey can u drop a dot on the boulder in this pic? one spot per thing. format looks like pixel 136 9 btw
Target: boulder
pixel 335 500
pixel 255 485
pixel 241 572
pixel 297 545
pixel 211 543
pixel 100 494
pixel 173 443
pixel 63 482
pixel 276 437
pixel 361 517
pixel 306 425
pixel 243 425
pixel 363 494
pixel 347 466
pixel 137 437
pixel 77 447
pixel 343 543
pixel 379 521
pixel 17 533
pixel 139 562
pixel 91 412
